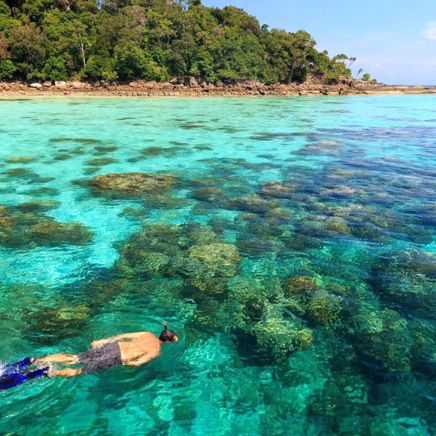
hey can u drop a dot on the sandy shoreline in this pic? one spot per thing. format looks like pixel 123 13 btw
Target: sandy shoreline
pixel 77 89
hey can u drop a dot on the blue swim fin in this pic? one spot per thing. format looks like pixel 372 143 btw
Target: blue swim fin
pixel 16 367
pixel 11 380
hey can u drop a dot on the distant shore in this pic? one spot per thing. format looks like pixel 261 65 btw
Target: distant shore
pixel 193 89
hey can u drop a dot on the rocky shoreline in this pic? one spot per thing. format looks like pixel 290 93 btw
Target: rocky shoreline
pixel 192 88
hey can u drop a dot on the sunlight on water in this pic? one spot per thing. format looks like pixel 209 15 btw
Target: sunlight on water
pixel 289 242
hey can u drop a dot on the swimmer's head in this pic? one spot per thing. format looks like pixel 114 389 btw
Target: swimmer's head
pixel 168 335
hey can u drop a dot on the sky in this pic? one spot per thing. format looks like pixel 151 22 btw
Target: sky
pixel 393 40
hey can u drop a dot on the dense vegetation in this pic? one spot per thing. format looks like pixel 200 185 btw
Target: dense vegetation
pixel 152 40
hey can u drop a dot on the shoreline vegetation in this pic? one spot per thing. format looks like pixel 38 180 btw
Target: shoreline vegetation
pixel 193 88
pixel 164 48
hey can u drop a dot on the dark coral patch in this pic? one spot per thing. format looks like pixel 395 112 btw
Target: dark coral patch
pixel 24 226
pixel 209 195
pixel 21 159
pixel 43 192
pixel 153 151
pixel 125 185
pixel 101 161
pixel 76 140
pixel 191 251
pixel 63 157
pixel 21 173
pixel 252 203
pixel 107 149
pixel 37 206
pixel 166 151
pixel 268 136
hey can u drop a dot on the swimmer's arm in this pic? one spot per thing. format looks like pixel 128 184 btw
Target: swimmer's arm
pixel 118 338
pixel 144 359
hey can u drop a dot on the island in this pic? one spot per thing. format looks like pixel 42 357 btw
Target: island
pixel 163 48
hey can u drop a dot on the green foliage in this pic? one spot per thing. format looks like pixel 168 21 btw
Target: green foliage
pixel 153 40
pixel 28 51
pixel 367 78
pixel 7 69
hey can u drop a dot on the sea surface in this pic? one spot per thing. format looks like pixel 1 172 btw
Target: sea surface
pixel 290 242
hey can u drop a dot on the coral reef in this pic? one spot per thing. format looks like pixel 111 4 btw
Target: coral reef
pixel 36 206
pixel 277 190
pixel 324 308
pixel 21 159
pixel 252 204
pixel 192 251
pixel 101 161
pixel 167 151
pixel 300 284
pixel 328 148
pixel 209 195
pixel 63 156
pixel 128 185
pixel 100 149
pixel 25 226
pixel 383 342
pixel 407 278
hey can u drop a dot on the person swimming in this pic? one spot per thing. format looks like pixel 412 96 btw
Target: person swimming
pixel 131 349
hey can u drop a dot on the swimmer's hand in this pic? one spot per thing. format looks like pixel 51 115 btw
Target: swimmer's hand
pixel 100 343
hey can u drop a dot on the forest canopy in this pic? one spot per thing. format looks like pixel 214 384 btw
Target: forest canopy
pixel 153 40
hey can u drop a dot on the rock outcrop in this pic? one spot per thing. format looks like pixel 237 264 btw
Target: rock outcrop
pixel 192 87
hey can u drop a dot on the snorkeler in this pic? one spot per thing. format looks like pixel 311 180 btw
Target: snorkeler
pixel 132 349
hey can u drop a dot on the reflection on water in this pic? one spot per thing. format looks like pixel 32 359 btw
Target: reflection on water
pixel 291 247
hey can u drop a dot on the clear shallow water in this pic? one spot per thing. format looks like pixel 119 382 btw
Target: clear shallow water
pixel 304 296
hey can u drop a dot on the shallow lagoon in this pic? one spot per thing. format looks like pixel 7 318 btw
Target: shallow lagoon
pixel 292 249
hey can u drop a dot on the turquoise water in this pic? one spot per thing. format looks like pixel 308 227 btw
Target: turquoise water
pixel 291 246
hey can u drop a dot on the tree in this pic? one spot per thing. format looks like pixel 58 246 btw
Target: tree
pixel 28 49
pixel 154 40
pixel 7 67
